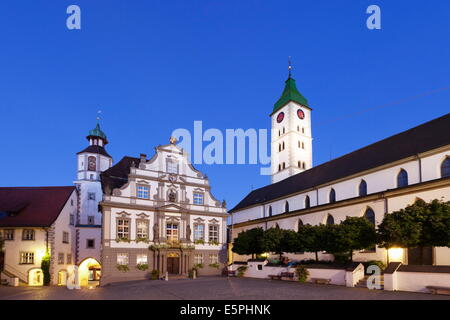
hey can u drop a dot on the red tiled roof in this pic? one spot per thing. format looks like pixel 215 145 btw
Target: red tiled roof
pixel 32 206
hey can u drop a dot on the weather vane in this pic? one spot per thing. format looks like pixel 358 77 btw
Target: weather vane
pixel 98 115
pixel 289 66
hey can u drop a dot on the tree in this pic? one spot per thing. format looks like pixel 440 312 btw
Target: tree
pixel 359 234
pixel 311 239
pixel 290 241
pixel 273 241
pixel 249 242
pixel 418 225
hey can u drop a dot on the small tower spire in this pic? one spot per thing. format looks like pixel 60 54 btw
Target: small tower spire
pixel 290 66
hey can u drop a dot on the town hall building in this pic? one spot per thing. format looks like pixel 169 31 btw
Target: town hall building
pixel 160 217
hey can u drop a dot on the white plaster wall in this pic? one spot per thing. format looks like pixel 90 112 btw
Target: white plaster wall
pixel 418 281
pixel 62 224
pixel 83 251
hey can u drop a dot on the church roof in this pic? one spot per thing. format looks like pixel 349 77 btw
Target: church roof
pixel 117 175
pixel 290 93
pixel 96 149
pixel 428 136
pixel 32 206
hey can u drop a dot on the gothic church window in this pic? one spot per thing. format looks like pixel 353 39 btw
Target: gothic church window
pixel 363 188
pixel 402 179
pixel 332 196
pixel 445 168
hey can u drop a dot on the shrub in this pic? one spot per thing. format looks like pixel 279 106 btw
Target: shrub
pixel 122 267
pixel 377 263
pixel 145 240
pixel 214 265
pixel 45 266
pixel 341 258
pixel 198 266
pixel 199 241
pixel 213 243
pixel 302 273
pixel 142 266
pixel 154 275
pixel 241 271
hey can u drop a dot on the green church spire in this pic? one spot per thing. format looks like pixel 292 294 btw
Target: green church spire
pixel 290 93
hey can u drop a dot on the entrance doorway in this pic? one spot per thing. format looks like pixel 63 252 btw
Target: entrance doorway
pixel 420 256
pixel 173 263
pixel 89 272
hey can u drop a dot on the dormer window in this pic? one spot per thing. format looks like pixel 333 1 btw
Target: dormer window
pixel 198 198
pixel 143 192
pixel 172 166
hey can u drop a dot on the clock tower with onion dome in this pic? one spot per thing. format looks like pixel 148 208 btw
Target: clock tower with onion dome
pixel 91 162
pixel 291 143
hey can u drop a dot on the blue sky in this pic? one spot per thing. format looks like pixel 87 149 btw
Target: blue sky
pixel 154 66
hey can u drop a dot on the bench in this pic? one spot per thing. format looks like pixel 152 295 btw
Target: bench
pixel 320 281
pixel 439 290
pixel 275 276
pixel 289 275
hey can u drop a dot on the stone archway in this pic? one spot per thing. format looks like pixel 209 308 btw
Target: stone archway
pixel 89 272
pixel 62 277
pixel 35 277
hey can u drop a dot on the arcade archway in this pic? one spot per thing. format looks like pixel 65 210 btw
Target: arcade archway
pixel 89 272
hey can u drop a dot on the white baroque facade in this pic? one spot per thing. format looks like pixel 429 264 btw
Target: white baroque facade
pixel 159 214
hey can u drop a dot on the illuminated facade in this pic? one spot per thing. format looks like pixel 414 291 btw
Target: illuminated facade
pixel 159 215
pixel 370 182
pixel 36 222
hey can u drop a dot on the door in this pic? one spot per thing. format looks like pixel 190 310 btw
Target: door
pixel 173 265
pixel 420 256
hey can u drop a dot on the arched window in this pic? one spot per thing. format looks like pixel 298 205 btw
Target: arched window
pixel 279 147
pixel 284 130
pixel 284 165
pixel 330 219
pixel 332 195
pixel 304 165
pixel 307 202
pixel 370 215
pixel 445 168
pixel 286 207
pixel 303 145
pixel 279 167
pixel 270 211
pixel 299 224
pixel 299 163
pixel 402 179
pixel 363 188
pixel 283 145
pixel 303 130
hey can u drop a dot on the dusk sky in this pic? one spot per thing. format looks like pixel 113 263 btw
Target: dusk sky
pixel 155 66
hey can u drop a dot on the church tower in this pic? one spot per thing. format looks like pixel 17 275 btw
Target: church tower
pixel 291 143
pixel 91 162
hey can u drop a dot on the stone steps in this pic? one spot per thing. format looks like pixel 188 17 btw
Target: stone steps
pixel 363 283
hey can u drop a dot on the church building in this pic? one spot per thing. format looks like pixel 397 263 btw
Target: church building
pixel 370 182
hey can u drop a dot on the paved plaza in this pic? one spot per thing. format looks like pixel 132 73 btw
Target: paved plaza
pixel 210 288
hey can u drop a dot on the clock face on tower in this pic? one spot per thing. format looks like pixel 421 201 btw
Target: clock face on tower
pixel 92 163
pixel 300 114
pixel 280 117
